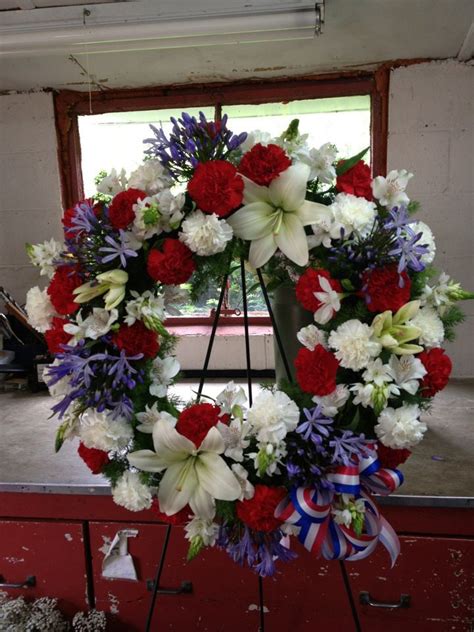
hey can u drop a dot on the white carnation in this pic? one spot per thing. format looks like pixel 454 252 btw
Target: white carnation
pixel 44 255
pixel 103 432
pixel 150 177
pixel 39 308
pixel 351 213
pixel 205 234
pixel 400 427
pixel 311 336
pixel 426 239
pixel 390 191
pixel 321 162
pixel 112 183
pixel 272 416
pixel 354 345
pixel 334 401
pixel 131 493
pixel 431 325
pixel 206 530
pixel 162 373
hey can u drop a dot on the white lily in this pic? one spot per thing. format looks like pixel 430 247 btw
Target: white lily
pixel 194 475
pixel 275 216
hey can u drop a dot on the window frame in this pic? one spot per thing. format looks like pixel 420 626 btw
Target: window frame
pixel 69 105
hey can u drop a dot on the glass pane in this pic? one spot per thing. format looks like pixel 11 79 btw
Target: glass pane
pixel 343 121
pixel 122 135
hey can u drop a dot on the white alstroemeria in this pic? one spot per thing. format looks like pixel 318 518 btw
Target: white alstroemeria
pixel 248 490
pixel 174 296
pixel 321 162
pixel 230 397
pixel 150 416
pixel 334 401
pixel 351 214
pixel 234 435
pixel 44 255
pixel 406 371
pixel 157 213
pixel 193 474
pixel 97 324
pixel 206 531
pixel 148 307
pixel 150 177
pixel 112 183
pixel 330 302
pixel 162 372
pixel 363 394
pixel 310 336
pixel 390 191
pixel 111 284
pixel 131 493
pixel 379 385
pixel 272 415
pixel 322 228
pixel 275 216
pixel 39 308
pixel 205 234
pixel 348 510
pixel 377 373
pixel 269 457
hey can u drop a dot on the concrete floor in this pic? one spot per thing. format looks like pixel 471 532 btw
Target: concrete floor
pixel 442 465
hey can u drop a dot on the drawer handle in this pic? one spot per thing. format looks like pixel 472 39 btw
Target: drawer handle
pixel 366 600
pixel 185 589
pixel 29 582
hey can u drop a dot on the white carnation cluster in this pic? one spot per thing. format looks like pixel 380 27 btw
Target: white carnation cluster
pixel 131 493
pixel 158 213
pixel 39 308
pixel 205 234
pixel 400 428
pixel 354 344
pixel 103 432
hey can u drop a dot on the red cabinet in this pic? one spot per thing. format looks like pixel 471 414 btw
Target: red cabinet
pixel 52 553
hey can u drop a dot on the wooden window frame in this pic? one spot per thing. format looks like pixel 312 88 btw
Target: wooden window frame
pixel 69 105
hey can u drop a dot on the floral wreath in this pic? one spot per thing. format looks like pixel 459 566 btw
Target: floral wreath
pixel 305 459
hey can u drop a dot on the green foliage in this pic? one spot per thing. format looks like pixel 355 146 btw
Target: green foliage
pixel 225 511
pixel 345 165
pixel 452 317
pixel 115 469
pixel 195 547
pixel 419 280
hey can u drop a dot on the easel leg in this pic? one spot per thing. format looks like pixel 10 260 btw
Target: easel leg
pixel 159 571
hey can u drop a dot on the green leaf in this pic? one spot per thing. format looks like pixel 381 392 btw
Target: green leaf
pixel 195 547
pixel 345 165
pixel 347 285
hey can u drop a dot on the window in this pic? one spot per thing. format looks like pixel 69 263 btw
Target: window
pixel 348 112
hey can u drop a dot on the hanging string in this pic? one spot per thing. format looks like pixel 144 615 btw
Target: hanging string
pixel 85 14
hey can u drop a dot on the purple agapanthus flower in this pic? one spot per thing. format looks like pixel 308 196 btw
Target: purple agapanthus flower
pixel 118 248
pixel 191 141
pixel 398 219
pixel 408 251
pixel 347 447
pixel 84 218
pixel 316 426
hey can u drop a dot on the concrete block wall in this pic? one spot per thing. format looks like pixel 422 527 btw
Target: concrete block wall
pixel 30 199
pixel 431 134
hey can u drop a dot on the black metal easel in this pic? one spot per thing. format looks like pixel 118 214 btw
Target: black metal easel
pixel 156 584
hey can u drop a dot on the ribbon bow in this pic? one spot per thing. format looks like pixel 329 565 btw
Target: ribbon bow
pixel 310 509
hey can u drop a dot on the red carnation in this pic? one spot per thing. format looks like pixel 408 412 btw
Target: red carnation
pixel 382 289
pixel 172 264
pixel 390 457
pixel 176 519
pixel 439 367
pixel 216 187
pixel 258 512
pixel 137 338
pixel 308 284
pixel 316 370
pixel 121 212
pixel 93 458
pixel 60 290
pixel 357 180
pixel 56 336
pixel 196 421
pixel 263 164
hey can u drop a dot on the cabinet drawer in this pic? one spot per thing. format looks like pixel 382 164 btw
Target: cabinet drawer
pixel 52 552
pixel 436 573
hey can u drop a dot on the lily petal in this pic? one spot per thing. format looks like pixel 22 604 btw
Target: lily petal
pixel 177 487
pixel 213 442
pixel 171 447
pixel 261 250
pixel 202 504
pixel 215 476
pixel 252 221
pixel 312 212
pixel 146 460
pixel 288 190
pixel 291 239
pixel 254 192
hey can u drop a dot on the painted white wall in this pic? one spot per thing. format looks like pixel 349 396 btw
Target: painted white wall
pixel 430 133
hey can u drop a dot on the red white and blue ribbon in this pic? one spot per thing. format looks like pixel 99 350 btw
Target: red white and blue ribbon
pixel 310 509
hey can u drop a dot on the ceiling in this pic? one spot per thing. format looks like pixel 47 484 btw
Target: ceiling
pixel 145 42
